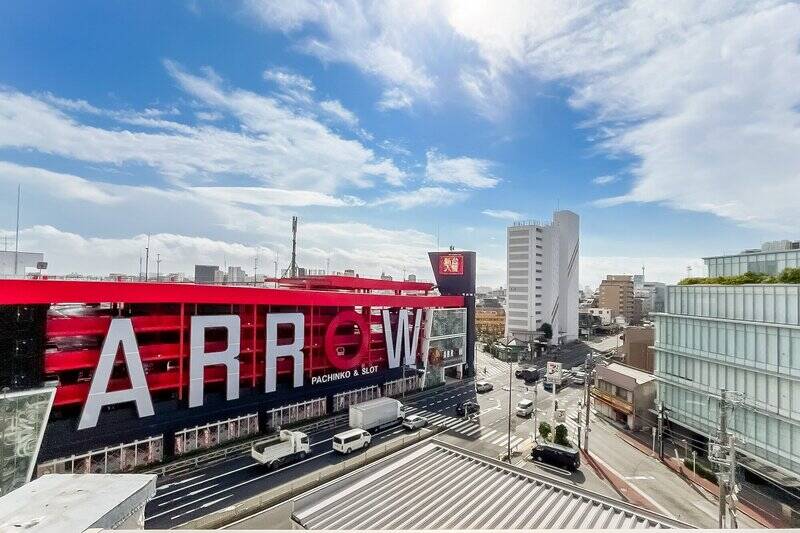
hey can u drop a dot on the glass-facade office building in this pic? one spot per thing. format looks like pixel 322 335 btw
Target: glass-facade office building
pixel 765 260
pixel 743 338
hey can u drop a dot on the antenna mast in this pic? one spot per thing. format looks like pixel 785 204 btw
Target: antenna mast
pixel 293 264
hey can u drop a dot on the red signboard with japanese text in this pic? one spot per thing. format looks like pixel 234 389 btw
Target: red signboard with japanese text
pixel 451 265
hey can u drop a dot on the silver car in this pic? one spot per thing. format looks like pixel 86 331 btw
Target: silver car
pixel 483 386
pixel 412 422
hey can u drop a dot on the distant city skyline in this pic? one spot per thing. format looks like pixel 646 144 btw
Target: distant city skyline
pixel 391 129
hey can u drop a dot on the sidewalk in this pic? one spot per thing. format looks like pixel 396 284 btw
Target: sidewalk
pixel 758 512
pixel 625 490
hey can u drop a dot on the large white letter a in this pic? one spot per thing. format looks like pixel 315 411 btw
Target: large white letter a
pixel 120 332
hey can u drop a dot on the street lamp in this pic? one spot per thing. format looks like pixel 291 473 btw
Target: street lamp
pixel 506 343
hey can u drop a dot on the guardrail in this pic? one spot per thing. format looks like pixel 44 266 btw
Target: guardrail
pixel 283 492
pixel 241 448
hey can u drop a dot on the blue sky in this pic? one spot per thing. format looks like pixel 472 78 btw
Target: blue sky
pixel 673 131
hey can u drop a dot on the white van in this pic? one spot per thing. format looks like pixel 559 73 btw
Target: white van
pixel 353 439
pixel 525 408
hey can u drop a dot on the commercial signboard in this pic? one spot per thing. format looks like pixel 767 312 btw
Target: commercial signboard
pixel 451 264
pixel 553 374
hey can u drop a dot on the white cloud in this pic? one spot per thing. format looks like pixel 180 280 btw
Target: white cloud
pixel 288 80
pixel 367 35
pixel 70 252
pixel 434 196
pixel 605 180
pixel 465 171
pixel 703 96
pixel 263 196
pixel 208 116
pixel 335 109
pixel 61 185
pixel 275 145
pixel 368 249
pixel 502 214
pixel 394 98
pixel 205 224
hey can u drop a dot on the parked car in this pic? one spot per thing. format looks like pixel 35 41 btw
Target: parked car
pixel 483 386
pixel 556 455
pixel 350 440
pixel 525 407
pixel 578 377
pixel 412 422
pixel 467 408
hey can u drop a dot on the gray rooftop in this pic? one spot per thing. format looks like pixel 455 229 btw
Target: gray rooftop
pixel 76 502
pixel 639 375
pixel 436 485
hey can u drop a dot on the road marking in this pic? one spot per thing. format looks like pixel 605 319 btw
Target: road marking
pixel 207 504
pixel 194 492
pixel 241 484
pixel 636 488
pixel 638 477
pixel 181 482
pixel 488 434
pixel 251 465
pixel 474 430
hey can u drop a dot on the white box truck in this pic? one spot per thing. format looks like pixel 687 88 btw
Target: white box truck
pixel 284 448
pixel 374 415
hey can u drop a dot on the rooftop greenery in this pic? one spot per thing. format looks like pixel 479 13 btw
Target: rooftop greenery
pixel 789 275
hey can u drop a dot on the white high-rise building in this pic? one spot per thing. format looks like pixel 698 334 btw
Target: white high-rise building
pixel 542 276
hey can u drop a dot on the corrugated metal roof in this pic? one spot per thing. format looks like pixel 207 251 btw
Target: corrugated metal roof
pixel 440 486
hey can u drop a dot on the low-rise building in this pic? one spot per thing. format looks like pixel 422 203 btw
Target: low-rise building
pixel 490 321
pixel 605 314
pixel 624 394
pixel 235 275
pixel 17 263
pixel 637 347
pixel 208 274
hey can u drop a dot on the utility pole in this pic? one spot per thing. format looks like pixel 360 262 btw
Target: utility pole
pixel 255 269
pixel 510 372
pixel 732 477
pixel 661 430
pixel 535 408
pixel 16 238
pixel 147 258
pixel 158 268
pixel 723 438
pixel 586 397
pixel 723 454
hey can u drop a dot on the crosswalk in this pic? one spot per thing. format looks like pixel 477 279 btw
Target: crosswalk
pixel 491 371
pixel 469 428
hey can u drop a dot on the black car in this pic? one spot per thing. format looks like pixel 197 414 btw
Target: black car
pixel 530 375
pixel 556 455
pixel 467 408
pixel 549 386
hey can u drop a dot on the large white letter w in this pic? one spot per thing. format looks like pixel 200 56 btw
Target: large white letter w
pixel 403 344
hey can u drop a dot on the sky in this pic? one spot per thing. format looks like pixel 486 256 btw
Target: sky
pixel 394 128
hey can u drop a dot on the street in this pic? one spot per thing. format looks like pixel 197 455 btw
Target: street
pixel 214 487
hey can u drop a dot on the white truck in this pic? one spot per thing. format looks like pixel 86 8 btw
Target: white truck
pixel 286 447
pixel 374 415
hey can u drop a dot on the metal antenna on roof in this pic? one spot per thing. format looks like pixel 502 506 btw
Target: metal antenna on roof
pixel 16 238
pixel 293 264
